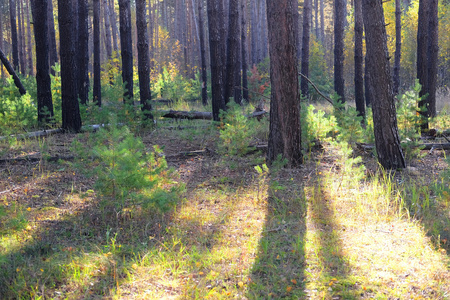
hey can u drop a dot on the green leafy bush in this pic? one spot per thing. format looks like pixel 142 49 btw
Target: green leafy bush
pixel 126 174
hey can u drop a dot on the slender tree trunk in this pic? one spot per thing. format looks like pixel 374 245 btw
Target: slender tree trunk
pixel 359 81
pixel 244 51
pixel 83 49
pixel 398 45
pixel 305 46
pixel 29 43
pixel 43 81
pixel 322 23
pixel 253 32
pixel 316 18
pixel 217 55
pixel 143 59
pixel 367 93
pixel 71 119
pixel 113 21
pixel 126 48
pixel 151 26
pixel 1 40
pixel 387 141
pixel 339 25
pixel 53 55
pixel 202 54
pixel 432 56
pixel 97 72
pixel 14 39
pixel 11 72
pixel 21 38
pixel 422 59
pixel 233 54
pixel 284 134
pixel 107 30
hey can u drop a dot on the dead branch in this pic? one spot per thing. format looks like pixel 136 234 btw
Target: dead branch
pixel 317 89
pixel 200 115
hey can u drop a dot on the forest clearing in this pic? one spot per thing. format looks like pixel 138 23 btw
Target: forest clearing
pixel 224 149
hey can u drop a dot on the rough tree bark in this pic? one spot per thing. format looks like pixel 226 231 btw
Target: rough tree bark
pixel 359 80
pixel 339 26
pixel 233 66
pixel 53 55
pixel 71 119
pixel 398 45
pixel 201 33
pixel 284 135
pixel 83 49
pixel 307 13
pixel 387 141
pixel 422 70
pixel 217 55
pixel 126 49
pixel 97 74
pixel 143 59
pixel 432 55
pixel 43 81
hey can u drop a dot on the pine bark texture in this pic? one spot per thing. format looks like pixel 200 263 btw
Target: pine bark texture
pixel 387 141
pixel 339 26
pixel 14 39
pixel 71 119
pixel 359 71
pixel 398 45
pixel 233 66
pixel 43 81
pixel 422 51
pixel 126 49
pixel 284 135
pixel 143 58
pixel 97 92
pixel 83 49
pixel 307 13
pixel 217 55
pixel 432 56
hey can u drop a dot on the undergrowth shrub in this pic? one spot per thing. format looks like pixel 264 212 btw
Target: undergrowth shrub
pixel 236 131
pixel 316 125
pixel 125 173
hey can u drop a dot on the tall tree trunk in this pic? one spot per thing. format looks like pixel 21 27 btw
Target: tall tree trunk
pixel 263 41
pixel 233 54
pixel 432 56
pixel 359 81
pixel 43 81
pixel 2 72
pixel 29 43
pixel 108 44
pixel 21 38
pixel 217 55
pixel 367 93
pixel 305 46
pixel 151 26
pixel 244 52
pixel 202 54
pixel 339 26
pixel 316 18
pixel 97 72
pixel 126 49
pixel 14 39
pixel 398 45
pixel 53 55
pixel 284 134
pixel 253 32
pixel 322 22
pixel 143 58
pixel 71 119
pixel 422 70
pixel 387 141
pixel 83 51
pixel 113 21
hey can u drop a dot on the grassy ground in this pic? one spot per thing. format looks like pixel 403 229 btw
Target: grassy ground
pixel 327 230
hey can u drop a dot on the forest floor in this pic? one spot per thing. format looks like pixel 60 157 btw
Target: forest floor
pixel 320 231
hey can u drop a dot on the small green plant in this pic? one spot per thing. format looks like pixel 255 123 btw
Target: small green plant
pixel 236 131
pixel 317 126
pixel 263 172
pixel 126 174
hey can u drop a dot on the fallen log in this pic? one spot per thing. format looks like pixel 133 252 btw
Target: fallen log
pixel 34 134
pixel 200 115
pixel 425 146
pixel 35 159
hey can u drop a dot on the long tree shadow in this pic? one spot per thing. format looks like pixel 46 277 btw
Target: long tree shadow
pixel 278 271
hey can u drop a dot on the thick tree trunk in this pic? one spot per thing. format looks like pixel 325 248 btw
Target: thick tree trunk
pixel 244 51
pixel 217 55
pixel 359 80
pixel 71 120
pixel 143 58
pixel 339 26
pixel 11 72
pixel 29 43
pixel 126 49
pixel 398 45
pixel 83 51
pixel 422 70
pixel 14 39
pixel 203 67
pixel 43 81
pixel 53 55
pixel 284 135
pixel 432 56
pixel 233 54
pixel 387 141
pixel 307 12
pixel 97 72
